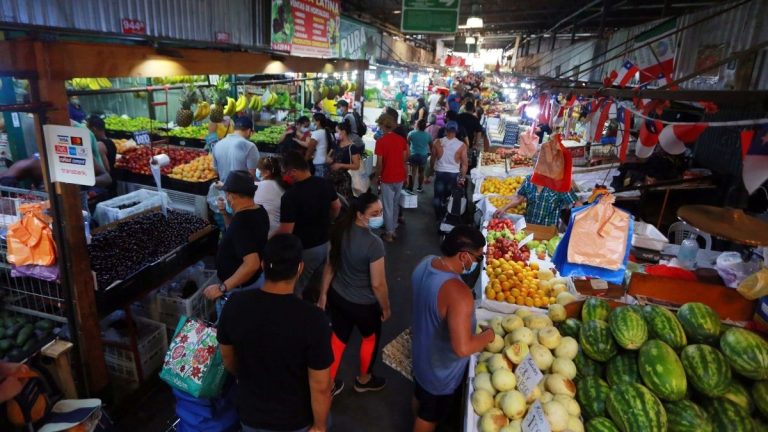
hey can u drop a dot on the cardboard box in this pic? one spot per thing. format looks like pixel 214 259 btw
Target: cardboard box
pixel 541 232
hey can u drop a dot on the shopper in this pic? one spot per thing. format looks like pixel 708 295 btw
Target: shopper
pixel 419 143
pixel 443 326
pixel 449 156
pixel 270 191
pixel 455 98
pixel 432 127
pixel 238 262
pixel 469 122
pixel 107 148
pixel 307 209
pixel 279 348
pixel 345 156
pixel 392 152
pixel 235 151
pixel 543 204
pixel 354 289
pixel 434 98
pixel 421 111
pixel 318 144
pixel 343 111
pixel 399 128
pixel 453 116
pixel 300 130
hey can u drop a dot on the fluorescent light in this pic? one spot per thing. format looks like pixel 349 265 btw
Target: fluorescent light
pixel 396 12
pixel 474 22
pixel 470 40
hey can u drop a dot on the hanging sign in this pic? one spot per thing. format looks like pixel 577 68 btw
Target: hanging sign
pixel 358 41
pixel 133 26
pixel 142 137
pixel 69 154
pixel 306 28
pixel 430 16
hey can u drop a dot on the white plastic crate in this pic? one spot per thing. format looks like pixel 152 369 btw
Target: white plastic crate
pixel 129 204
pixel 171 308
pixel 182 201
pixel 152 347
pixel 408 200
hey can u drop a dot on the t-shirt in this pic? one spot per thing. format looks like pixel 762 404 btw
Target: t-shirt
pixel 359 248
pixel 234 153
pixel 433 129
pixel 353 123
pixel 268 195
pixel 471 126
pixel 307 204
pixel 454 102
pixel 321 150
pixel 391 148
pixel 245 235
pixel 434 98
pixel 344 154
pixel 276 339
pixel 419 142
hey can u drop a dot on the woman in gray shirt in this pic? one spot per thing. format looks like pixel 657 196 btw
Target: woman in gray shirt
pixel 354 288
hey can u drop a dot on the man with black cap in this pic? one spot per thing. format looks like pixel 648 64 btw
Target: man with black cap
pixel 279 348
pixel 235 151
pixel 238 261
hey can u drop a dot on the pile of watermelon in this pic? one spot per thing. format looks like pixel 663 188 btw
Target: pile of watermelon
pixel 648 369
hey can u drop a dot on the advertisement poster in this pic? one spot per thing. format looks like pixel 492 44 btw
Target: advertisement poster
pixel 69 154
pixel 359 41
pixel 306 28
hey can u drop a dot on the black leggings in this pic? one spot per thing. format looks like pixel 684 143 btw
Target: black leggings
pixel 345 316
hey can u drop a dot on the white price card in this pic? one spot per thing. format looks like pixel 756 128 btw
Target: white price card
pixel 524 241
pixel 520 225
pixel 528 375
pixel 598 284
pixel 70 159
pixel 535 421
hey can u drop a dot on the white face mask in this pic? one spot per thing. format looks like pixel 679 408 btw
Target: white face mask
pixel 337 136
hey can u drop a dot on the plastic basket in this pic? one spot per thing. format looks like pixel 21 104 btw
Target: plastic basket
pixel 171 308
pixel 152 347
pixel 132 203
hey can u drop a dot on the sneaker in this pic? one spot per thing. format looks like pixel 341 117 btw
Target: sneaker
pixel 419 189
pixel 373 384
pixel 338 386
pixel 389 238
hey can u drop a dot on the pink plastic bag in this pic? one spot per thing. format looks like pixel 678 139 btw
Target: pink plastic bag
pixel 529 141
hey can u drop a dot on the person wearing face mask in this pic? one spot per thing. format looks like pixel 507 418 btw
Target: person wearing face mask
pixel 344 156
pixel 354 288
pixel 300 130
pixel 318 143
pixel 235 151
pixel 238 262
pixel 443 327
pixel 270 190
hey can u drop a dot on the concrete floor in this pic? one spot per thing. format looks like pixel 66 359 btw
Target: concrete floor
pixel 386 411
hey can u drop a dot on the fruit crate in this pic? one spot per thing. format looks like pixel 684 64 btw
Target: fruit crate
pixel 152 346
pixel 171 308
pixel 187 202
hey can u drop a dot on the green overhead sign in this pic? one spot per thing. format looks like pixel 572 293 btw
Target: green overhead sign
pixel 430 16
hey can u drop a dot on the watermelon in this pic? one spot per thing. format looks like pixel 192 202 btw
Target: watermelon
pixel 760 396
pixel 736 392
pixel 633 408
pixel 595 309
pixel 662 371
pixel 706 369
pixel 586 367
pixel 728 416
pixel 570 327
pixel 628 328
pixel 622 369
pixel 591 393
pixel 596 340
pixel 700 322
pixel 746 352
pixel 663 325
pixel 600 424
pixel 686 416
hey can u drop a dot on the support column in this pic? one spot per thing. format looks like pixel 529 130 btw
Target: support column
pixel 554 41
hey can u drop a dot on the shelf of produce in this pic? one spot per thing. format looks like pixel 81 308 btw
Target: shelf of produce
pixel 117 296
pixel 194 188
pixel 192 142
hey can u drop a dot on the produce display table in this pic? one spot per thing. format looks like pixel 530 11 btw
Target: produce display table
pixel 194 188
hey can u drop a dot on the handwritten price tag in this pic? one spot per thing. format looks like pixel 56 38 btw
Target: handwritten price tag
pixel 142 137
pixel 525 241
pixel 520 225
pixel 535 421
pixel 528 376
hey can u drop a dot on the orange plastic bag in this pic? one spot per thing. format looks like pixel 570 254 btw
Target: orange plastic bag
pixel 529 141
pixel 30 240
pixel 554 167
pixel 599 235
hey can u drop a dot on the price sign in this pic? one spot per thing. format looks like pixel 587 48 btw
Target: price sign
pixel 142 138
pixel 528 376
pixel 535 421
pixel 223 37
pixel 527 238
pixel 133 26
pixel 520 225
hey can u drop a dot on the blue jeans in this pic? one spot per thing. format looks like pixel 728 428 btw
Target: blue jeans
pixel 321 170
pixel 390 200
pixel 445 183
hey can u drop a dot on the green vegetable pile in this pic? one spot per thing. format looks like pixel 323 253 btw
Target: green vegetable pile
pixel 19 334
pixel 270 135
pixel 196 132
pixel 123 124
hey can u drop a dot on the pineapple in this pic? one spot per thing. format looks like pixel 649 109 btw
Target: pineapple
pixel 189 97
pixel 219 102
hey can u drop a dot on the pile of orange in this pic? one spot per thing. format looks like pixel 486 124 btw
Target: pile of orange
pixel 517 283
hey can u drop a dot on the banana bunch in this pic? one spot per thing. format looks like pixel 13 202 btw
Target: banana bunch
pixel 255 104
pixel 268 99
pixel 202 111
pixel 178 79
pixel 230 108
pixel 241 104
pixel 90 83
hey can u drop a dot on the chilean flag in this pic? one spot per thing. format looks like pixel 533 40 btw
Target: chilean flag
pixel 624 118
pixel 625 74
pixel 755 163
pixel 674 137
pixel 649 137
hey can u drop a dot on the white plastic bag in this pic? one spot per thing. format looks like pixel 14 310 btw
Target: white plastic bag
pixel 732 269
pixel 361 178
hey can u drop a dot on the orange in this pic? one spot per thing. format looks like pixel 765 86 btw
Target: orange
pixel 515 292
pixel 552 300
pixel 520 300
pixel 545 301
pixel 529 301
pixel 500 296
pixel 534 266
pixel 521 264
pixel 506 286
pixel 538 302
pixel 490 293
pixel 497 271
pixel 510 300
pixel 502 278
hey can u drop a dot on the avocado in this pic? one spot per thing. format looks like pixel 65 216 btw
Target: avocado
pixel 24 334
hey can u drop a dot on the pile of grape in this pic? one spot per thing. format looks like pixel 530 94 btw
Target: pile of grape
pixel 135 243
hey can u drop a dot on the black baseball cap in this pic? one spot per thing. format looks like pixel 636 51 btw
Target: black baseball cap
pixel 239 182
pixel 342 103
pixel 243 123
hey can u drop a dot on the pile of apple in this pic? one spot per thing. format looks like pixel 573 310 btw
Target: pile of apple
pixel 502 242
pixel 137 159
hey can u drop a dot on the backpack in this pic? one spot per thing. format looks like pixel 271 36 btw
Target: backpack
pixel 362 129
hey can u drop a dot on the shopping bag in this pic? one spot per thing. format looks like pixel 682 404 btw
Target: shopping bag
pixel 30 240
pixel 529 142
pixel 599 235
pixel 193 363
pixel 554 166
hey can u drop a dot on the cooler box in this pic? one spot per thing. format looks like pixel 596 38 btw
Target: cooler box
pixel 408 199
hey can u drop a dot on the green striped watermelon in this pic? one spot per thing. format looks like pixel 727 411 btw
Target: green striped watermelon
pixel 728 416
pixel 586 367
pixel 686 416
pixel 746 352
pixel 591 393
pixel 760 396
pixel 628 328
pixel 706 368
pixel 633 408
pixel 662 371
pixel 600 424
pixel 570 327
pixel 596 340
pixel 700 322
pixel 664 326
pixel 622 369
pixel 737 393
pixel 595 309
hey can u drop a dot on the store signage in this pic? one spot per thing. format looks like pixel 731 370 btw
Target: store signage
pixel 430 16
pixel 535 421
pixel 358 41
pixel 528 375
pixel 308 28
pixel 133 26
pixel 4 152
pixel 223 37
pixel 69 154
pixel 142 137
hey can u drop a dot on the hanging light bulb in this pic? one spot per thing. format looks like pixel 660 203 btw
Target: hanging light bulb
pixel 475 20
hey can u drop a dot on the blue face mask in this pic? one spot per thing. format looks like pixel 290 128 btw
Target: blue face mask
pixel 471 268
pixel 258 174
pixel 339 111
pixel 379 133
pixel 313 127
pixel 228 208
pixel 376 222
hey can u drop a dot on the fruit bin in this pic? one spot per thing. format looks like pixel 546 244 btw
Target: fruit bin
pixel 128 204
pixel 169 184
pixel 152 344
pixel 188 202
pixel 170 308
